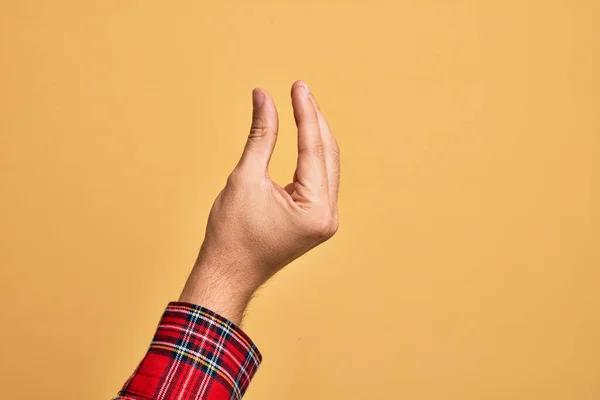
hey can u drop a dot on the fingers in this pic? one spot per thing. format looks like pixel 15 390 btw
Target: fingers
pixel 331 151
pixel 311 169
pixel 263 133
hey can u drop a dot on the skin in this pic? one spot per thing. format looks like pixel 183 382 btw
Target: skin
pixel 257 227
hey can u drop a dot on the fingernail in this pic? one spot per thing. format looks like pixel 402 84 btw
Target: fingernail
pixel 305 87
pixel 258 98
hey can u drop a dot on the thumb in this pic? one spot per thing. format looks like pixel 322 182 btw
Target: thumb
pixel 263 132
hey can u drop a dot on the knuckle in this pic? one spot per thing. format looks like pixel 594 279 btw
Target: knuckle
pixel 335 149
pixel 318 149
pixel 335 225
pixel 324 228
pixel 258 130
pixel 315 149
pixel 235 178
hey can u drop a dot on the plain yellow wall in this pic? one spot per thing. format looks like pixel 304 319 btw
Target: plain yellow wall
pixel 467 265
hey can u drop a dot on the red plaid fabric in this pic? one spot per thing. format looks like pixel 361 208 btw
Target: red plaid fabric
pixel 195 354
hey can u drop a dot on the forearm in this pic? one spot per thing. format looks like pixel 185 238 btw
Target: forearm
pixel 198 351
pixel 223 293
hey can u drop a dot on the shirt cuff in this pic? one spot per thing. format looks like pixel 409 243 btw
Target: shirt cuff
pixel 195 352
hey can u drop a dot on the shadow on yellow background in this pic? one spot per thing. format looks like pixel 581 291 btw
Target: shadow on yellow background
pixel 467 261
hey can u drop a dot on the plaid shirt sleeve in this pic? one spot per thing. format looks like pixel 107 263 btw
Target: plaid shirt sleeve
pixel 195 354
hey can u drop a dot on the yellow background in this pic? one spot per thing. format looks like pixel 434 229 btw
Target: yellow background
pixel 467 265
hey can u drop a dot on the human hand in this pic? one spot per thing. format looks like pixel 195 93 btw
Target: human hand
pixel 256 227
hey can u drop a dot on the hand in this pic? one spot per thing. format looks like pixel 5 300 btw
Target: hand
pixel 256 227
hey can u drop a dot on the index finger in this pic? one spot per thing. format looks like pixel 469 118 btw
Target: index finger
pixel 311 169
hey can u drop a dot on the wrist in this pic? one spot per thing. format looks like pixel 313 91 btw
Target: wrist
pixel 220 291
